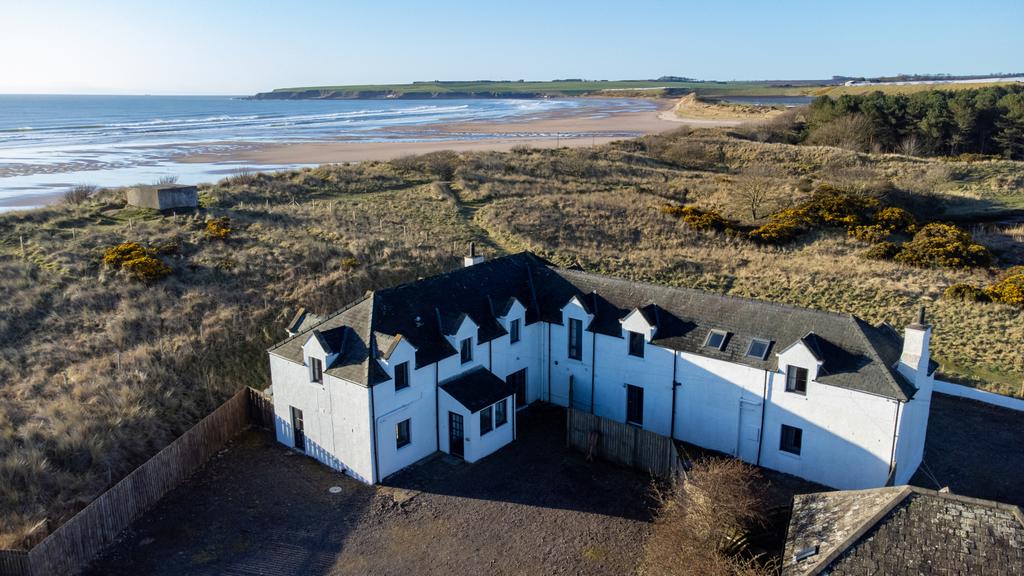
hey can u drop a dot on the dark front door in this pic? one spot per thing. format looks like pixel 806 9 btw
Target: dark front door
pixel 517 380
pixel 297 427
pixel 635 405
pixel 456 439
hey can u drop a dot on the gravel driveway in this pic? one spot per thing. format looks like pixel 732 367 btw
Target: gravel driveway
pixel 532 508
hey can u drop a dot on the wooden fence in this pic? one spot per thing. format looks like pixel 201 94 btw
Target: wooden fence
pixel 621 443
pixel 69 548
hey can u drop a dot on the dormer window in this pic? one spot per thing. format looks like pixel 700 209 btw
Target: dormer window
pixel 716 339
pixel 316 370
pixel 636 344
pixel 402 376
pixel 758 348
pixel 513 331
pixel 466 350
pixel 575 339
pixel 796 379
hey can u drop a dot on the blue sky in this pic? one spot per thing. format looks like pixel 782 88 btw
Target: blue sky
pixel 241 47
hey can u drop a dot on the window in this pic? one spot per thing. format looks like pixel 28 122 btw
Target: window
pixel 792 439
pixel 796 379
pixel 466 350
pixel 716 339
pixel 575 339
pixel 513 331
pixel 316 370
pixel 500 413
pixel 636 344
pixel 402 437
pixel 634 405
pixel 517 380
pixel 485 421
pixel 758 348
pixel 401 376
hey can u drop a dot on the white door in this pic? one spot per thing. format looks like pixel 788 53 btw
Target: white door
pixel 749 439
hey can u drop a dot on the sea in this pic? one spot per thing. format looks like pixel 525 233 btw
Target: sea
pixel 50 143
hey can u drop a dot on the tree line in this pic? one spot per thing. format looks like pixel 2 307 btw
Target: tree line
pixel 987 121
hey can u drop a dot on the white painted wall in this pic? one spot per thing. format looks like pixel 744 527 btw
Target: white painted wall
pixel 847 435
pixel 475 446
pixel 961 391
pixel 708 405
pixel 415 403
pixel 336 417
pixel 562 367
pixel 528 353
pixel 616 368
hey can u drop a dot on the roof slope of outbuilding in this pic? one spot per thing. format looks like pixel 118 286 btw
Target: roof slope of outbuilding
pixel 902 530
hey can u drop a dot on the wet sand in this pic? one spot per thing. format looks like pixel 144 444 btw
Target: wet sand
pixel 562 130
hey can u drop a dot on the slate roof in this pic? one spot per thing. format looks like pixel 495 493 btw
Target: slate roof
pixel 903 530
pixel 855 354
pixel 477 389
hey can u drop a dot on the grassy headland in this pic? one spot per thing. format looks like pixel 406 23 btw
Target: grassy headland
pixel 98 370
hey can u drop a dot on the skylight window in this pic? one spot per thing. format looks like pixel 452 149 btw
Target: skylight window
pixel 716 339
pixel 758 348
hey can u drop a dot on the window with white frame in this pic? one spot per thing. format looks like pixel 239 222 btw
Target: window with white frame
pixel 758 348
pixel 716 339
pixel 500 413
pixel 513 331
pixel 402 433
pixel 466 350
pixel 486 423
pixel 316 370
pixel 791 439
pixel 575 339
pixel 796 379
pixel 401 376
pixel 636 344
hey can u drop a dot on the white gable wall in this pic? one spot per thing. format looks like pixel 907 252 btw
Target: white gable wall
pixel 847 435
pixel 336 417
pixel 562 367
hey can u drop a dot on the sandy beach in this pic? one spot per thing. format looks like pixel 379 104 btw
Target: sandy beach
pixel 542 131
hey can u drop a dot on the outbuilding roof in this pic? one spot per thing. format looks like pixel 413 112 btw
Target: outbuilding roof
pixel 477 389
pixel 854 354
pixel 902 530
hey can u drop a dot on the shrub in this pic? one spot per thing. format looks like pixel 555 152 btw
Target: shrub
pixel 146 269
pixel 349 263
pixel 882 251
pixel 1008 290
pixel 943 245
pixel 79 194
pixel 783 226
pixel 699 219
pixel 898 220
pixel 872 234
pixel 136 261
pixel 702 527
pixel 116 256
pixel 965 293
pixel 219 228
pixel 835 207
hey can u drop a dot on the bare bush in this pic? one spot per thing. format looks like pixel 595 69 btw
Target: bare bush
pixel 702 525
pixel 80 194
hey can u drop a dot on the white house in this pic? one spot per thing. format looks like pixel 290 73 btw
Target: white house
pixel 443 363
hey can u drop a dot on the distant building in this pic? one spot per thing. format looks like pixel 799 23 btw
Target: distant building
pixel 902 530
pixel 443 364
pixel 164 197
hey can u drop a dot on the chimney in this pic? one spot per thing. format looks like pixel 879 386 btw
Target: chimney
pixel 472 258
pixel 916 343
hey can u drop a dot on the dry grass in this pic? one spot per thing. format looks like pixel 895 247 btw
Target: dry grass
pixel 98 372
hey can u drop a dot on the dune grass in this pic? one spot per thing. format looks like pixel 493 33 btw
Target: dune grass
pixel 98 371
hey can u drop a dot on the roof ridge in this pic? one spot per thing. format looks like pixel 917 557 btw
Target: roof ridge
pixel 361 299
pixel 823 563
pixel 777 304
pixel 441 275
